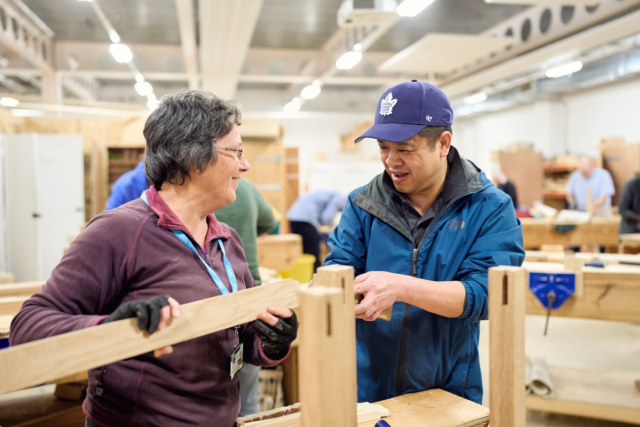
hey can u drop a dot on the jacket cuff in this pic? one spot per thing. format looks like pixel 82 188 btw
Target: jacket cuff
pixel 96 322
pixel 470 301
pixel 271 361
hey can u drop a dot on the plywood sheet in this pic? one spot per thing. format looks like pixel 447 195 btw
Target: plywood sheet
pixel 524 170
pixel 442 53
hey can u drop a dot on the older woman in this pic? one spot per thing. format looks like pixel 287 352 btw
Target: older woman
pixel 152 254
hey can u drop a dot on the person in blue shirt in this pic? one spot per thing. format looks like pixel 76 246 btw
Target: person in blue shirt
pixel 588 178
pixel 310 211
pixel 128 187
pixel 421 237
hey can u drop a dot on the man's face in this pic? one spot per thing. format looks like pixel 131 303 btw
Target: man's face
pixel 585 166
pixel 412 165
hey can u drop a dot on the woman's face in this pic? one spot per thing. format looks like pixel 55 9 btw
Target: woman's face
pixel 221 179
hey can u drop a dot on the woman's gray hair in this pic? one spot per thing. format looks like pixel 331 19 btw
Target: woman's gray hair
pixel 182 132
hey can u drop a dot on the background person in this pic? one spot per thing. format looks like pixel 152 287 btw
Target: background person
pixel 502 182
pixel 588 178
pixel 147 257
pixel 308 212
pixel 128 187
pixel 629 206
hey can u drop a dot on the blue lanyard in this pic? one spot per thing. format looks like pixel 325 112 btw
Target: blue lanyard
pixel 227 265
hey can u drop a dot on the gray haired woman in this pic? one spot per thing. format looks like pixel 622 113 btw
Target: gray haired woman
pixel 146 258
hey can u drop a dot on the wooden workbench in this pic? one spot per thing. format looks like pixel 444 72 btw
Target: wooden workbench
pixel 629 243
pixel 559 256
pixel 600 231
pixel 610 293
pixel 433 408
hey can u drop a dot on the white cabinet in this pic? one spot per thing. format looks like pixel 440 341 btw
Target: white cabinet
pixel 44 200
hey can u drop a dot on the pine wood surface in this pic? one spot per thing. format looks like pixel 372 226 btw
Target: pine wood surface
pixel 506 346
pixel 20 289
pixel 41 411
pixel 599 231
pixel 11 305
pixel 67 354
pixel 5 323
pixel 279 251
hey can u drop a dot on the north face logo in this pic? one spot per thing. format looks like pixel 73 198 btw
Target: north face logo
pixel 455 224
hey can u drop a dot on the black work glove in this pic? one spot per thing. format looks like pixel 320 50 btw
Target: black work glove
pixel 277 339
pixel 146 310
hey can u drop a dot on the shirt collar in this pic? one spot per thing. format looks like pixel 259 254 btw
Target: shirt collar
pixel 168 219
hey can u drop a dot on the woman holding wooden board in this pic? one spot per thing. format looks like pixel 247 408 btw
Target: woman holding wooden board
pixel 146 258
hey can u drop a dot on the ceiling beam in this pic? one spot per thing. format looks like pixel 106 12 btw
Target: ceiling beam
pixel 187 25
pixel 226 29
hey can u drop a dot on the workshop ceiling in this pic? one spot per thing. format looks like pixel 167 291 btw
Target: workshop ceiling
pixel 282 24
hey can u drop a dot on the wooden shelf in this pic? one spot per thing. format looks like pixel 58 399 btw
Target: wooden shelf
pixel 593 394
pixel 559 168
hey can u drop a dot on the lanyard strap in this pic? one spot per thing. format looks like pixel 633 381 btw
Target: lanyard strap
pixel 227 265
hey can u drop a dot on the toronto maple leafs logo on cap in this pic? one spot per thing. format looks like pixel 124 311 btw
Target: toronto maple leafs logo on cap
pixel 387 104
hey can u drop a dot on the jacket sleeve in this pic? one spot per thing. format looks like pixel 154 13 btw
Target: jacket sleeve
pixel 499 242
pixel 625 205
pixel 88 277
pixel 347 241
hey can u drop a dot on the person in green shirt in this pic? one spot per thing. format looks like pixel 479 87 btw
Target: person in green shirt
pixel 251 216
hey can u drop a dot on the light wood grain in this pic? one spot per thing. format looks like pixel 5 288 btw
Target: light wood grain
pixel 582 409
pixel 55 357
pixel 506 346
pixel 599 232
pixel 279 251
pixel 20 289
pixel 11 305
pixel 327 350
pixel 5 323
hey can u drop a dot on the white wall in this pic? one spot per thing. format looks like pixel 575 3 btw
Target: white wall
pixel 572 124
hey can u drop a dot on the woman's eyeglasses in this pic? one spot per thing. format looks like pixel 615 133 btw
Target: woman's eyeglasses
pixel 239 152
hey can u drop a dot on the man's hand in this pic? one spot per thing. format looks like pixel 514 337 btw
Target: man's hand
pixel 277 329
pixel 152 314
pixel 380 290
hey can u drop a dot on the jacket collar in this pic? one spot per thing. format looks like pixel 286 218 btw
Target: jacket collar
pixel 168 219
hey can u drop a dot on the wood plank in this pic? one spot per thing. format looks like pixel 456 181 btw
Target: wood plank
pixel 611 293
pixel 5 323
pixel 11 305
pixel 279 251
pixel 599 232
pixel 433 408
pixel 55 357
pixel 581 409
pixel 20 289
pixel 506 346
pixel 328 388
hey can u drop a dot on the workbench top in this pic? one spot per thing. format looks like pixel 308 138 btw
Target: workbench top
pixel 433 408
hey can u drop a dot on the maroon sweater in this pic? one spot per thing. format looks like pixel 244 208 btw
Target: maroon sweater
pixel 130 253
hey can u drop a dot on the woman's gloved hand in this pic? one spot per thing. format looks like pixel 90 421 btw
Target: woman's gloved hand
pixel 152 314
pixel 277 329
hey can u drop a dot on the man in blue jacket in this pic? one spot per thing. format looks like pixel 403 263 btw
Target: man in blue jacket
pixel 421 237
pixel 128 187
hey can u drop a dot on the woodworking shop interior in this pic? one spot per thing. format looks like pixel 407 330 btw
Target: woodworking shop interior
pixel 320 213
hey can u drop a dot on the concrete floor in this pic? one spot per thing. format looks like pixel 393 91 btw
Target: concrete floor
pixel 579 343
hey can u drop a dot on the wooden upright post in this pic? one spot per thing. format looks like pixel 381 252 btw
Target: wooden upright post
pixel 328 389
pixel 506 346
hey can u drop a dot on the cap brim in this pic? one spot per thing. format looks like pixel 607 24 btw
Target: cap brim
pixel 392 132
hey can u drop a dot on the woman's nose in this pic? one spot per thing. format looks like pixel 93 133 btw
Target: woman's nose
pixel 244 164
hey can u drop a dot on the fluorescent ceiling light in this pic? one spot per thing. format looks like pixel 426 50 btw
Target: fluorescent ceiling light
pixel 9 102
pixel 152 97
pixel 144 88
pixel 115 38
pixel 476 98
pixel 85 0
pixel 293 106
pixel 27 113
pixel 139 77
pixel 357 47
pixel 348 60
pixel 311 91
pixel 152 104
pixel 411 8
pixel 121 53
pixel 563 70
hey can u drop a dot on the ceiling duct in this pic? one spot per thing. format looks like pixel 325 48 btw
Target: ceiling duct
pixel 365 13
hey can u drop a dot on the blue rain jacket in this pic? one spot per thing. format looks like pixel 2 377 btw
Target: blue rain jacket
pixel 418 350
pixel 128 187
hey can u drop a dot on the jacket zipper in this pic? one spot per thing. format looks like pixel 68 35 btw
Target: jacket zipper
pixel 414 273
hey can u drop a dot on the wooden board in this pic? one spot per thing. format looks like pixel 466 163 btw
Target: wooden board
pixel 524 169
pixel 598 232
pixel 622 160
pixel 11 305
pixel 541 256
pixel 506 346
pixel 328 388
pixel 279 251
pixel 591 393
pixel 41 411
pixel 268 170
pixel 33 363
pixel 20 289
pixel 611 293
pixel 432 408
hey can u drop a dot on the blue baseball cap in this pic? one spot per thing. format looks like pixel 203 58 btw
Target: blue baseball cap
pixel 405 109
